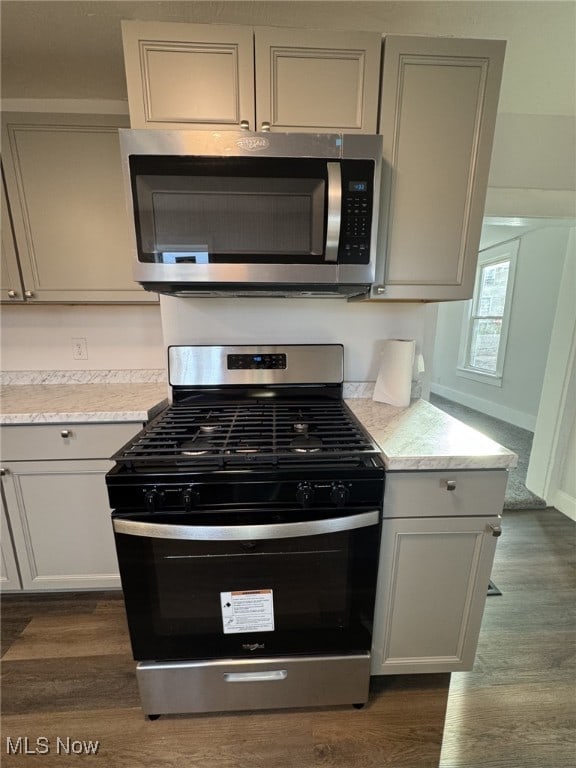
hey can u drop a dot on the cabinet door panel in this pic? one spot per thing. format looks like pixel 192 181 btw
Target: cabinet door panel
pixel 9 576
pixel 438 113
pixel 65 186
pixel 443 158
pixel 432 585
pixel 11 287
pixel 61 524
pixel 307 80
pixel 189 75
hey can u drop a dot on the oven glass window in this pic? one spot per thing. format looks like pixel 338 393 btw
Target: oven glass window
pixel 297 595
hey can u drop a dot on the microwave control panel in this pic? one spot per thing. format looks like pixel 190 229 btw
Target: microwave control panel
pixel 357 204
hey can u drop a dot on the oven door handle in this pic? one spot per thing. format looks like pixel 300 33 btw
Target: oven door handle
pixel 245 532
pixel 334 213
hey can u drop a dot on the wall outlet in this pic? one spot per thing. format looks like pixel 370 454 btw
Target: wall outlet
pixel 79 348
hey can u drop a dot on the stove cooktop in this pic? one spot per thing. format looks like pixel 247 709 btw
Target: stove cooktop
pixel 247 433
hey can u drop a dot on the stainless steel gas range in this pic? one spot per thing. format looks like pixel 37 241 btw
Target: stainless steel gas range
pixel 247 523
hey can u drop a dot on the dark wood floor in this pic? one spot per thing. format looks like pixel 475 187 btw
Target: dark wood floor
pixel 68 674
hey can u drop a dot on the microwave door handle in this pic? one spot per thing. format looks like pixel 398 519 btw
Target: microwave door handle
pixel 245 532
pixel 334 211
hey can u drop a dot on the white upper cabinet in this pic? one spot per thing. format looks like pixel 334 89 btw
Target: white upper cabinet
pixel 11 288
pixel 66 197
pixel 211 76
pixel 438 113
pixel 189 75
pixel 308 80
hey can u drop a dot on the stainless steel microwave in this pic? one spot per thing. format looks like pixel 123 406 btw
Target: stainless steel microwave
pixel 269 214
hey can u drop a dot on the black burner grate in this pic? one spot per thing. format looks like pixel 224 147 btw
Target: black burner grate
pixel 244 433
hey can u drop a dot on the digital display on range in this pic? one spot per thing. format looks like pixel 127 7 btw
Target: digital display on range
pixel 255 362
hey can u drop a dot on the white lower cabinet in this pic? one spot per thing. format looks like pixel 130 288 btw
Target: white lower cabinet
pixel 58 527
pixel 434 569
pixel 9 576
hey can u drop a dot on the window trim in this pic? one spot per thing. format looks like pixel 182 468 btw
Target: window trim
pixel 493 255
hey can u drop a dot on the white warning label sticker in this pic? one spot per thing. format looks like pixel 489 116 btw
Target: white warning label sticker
pixel 250 610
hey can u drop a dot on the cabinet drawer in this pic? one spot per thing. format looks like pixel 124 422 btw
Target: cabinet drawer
pixel 62 441
pixel 428 494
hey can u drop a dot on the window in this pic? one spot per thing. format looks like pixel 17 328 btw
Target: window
pixel 485 330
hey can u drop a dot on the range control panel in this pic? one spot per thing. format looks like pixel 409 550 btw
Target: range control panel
pixel 247 362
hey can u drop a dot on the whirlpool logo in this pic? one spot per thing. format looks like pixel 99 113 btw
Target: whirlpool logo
pixel 252 646
pixel 252 143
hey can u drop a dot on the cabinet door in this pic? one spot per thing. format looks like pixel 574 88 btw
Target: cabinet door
pixel 66 194
pixel 11 288
pixel 432 584
pixel 438 113
pixel 60 521
pixel 9 576
pixel 308 80
pixel 189 75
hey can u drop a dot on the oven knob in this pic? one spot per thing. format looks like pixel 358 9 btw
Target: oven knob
pixel 339 494
pixel 305 494
pixel 153 499
pixel 190 497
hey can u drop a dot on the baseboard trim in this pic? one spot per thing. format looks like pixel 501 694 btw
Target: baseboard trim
pixel 502 412
pixel 565 503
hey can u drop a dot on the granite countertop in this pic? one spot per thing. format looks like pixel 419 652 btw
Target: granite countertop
pixel 76 403
pixel 420 436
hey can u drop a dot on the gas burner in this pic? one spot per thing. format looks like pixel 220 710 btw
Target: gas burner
pixel 196 447
pixel 305 444
pixel 210 427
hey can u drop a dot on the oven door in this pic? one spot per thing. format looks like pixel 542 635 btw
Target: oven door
pixel 248 589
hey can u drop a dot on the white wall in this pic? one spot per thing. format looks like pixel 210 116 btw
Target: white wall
pixel 36 338
pixel 358 326
pixel 551 472
pixel 541 258
pixel 565 496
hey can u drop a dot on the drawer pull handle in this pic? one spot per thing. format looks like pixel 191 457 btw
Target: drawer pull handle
pixel 450 485
pixel 3 472
pixel 66 433
pixel 256 677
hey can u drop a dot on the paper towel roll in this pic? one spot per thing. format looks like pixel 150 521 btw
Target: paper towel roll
pixel 394 382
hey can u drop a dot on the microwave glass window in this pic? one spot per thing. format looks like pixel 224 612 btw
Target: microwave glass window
pixel 215 210
pixel 195 219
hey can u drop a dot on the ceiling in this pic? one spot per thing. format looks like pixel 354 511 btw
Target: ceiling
pixel 72 49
